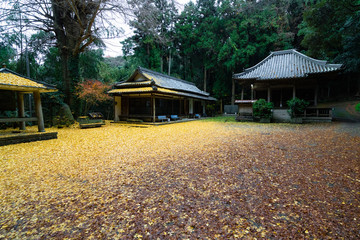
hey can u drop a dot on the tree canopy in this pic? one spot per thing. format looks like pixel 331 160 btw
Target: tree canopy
pixel 205 43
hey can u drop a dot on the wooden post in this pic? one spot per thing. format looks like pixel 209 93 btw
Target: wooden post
pixel 117 108
pixel 153 108
pixel 38 110
pixel 252 92
pixel 21 109
pixel 191 106
pixel 316 95
pixel 294 92
pixel 242 93
pixel 268 94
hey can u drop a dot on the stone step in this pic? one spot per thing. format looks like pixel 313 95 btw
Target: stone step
pixel 281 115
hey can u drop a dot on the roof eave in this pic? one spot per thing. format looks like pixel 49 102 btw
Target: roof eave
pixel 51 86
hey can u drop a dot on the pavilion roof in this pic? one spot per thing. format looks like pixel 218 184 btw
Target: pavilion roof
pixel 10 80
pixel 286 64
pixel 145 80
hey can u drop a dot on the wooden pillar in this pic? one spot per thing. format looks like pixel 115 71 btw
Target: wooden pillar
pixel 38 110
pixel 294 92
pixel 268 94
pixel 180 106
pixel 281 97
pixel 117 108
pixel 252 92
pixel 21 108
pixel 316 95
pixel 191 106
pixel 242 93
pixel 153 109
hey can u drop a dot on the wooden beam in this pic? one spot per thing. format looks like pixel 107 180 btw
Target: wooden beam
pixel 153 108
pixel 294 92
pixel 30 119
pixel 38 110
pixel 21 109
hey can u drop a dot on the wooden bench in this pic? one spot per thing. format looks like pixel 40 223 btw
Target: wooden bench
pixel 174 117
pixel 86 122
pixel 163 118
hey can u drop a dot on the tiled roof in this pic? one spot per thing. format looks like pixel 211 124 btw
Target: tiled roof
pixel 286 64
pixel 163 83
pixel 10 80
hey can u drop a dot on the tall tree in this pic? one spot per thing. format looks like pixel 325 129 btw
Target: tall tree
pixel 153 34
pixel 331 30
pixel 76 26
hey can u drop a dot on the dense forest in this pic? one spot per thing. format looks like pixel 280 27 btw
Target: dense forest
pixel 61 41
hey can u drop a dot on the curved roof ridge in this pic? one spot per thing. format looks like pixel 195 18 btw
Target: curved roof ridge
pixel 256 65
pixel 164 75
pixel 286 64
pixel 321 62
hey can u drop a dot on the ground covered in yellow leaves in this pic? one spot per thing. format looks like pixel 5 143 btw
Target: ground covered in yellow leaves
pixel 194 180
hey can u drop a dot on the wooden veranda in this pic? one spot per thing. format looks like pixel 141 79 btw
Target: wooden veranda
pixel 13 86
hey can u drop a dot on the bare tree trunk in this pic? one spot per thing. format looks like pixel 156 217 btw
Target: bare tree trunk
pixel 148 53
pixel 233 92
pixel 70 73
pixel 161 64
pixel 205 79
pixel 169 65
pixel 66 79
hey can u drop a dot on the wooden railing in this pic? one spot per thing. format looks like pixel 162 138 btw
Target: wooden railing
pixel 19 119
pixel 320 114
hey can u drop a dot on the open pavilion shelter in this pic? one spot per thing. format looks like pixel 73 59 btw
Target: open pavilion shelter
pixel 13 86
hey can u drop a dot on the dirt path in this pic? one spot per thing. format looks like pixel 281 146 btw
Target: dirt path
pixel 352 128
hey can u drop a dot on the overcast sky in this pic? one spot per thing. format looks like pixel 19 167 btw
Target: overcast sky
pixel 113 46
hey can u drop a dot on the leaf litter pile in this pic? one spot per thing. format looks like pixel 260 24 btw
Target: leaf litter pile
pixel 195 180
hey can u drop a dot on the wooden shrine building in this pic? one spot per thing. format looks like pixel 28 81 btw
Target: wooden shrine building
pixel 148 94
pixel 13 86
pixel 287 74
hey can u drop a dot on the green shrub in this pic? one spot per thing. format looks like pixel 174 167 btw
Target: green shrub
pixel 262 109
pixel 357 107
pixel 296 106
